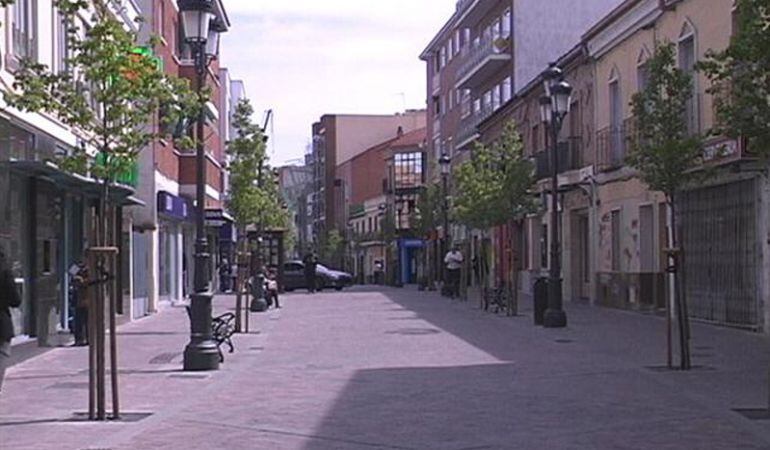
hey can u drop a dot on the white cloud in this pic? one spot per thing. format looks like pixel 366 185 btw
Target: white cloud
pixel 305 58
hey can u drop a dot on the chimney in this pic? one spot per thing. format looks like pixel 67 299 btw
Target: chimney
pixel 400 131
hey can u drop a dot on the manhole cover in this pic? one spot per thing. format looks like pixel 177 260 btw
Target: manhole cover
pixel 257 349
pixel 414 331
pixel 165 358
pixel 322 367
pixel 564 341
pixel 190 376
pixel 754 413
pixel 69 385
pixel 676 368
pixel 124 417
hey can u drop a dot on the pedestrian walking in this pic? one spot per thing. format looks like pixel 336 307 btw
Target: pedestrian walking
pixel 310 261
pixel 224 276
pixel 271 288
pixel 80 283
pixel 9 298
pixel 454 262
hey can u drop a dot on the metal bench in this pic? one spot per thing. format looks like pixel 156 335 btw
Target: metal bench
pixel 222 330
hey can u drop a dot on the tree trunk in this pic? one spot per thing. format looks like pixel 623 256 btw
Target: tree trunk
pixel 240 279
pixel 683 320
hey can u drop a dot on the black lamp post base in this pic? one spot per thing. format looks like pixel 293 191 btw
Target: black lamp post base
pixel 201 352
pixel 555 318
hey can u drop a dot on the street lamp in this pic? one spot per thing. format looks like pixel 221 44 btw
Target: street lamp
pixel 554 106
pixel 201 33
pixel 445 162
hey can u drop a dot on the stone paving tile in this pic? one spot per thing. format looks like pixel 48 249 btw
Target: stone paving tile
pixel 398 369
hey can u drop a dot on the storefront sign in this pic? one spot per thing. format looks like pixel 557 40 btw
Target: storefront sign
pixel 172 206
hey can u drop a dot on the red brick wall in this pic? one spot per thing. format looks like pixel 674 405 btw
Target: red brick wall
pixel 368 170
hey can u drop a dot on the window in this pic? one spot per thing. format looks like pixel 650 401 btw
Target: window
pixel 408 170
pixel 686 50
pixel 437 105
pixel 160 19
pixel 450 49
pixel 642 76
pixel 62 44
pixel 536 139
pixel 615 223
pixel 442 56
pixel 616 122
pixel 507 88
pixel 24 29
pixel 642 69
pixel 495 98
pixel 507 23
pixel 487 100
pixel 457 42
pixel 544 246
pixel 182 48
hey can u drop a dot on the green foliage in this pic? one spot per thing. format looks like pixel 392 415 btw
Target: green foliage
pixel 253 197
pixel 740 77
pixel 108 93
pixel 428 212
pixel 493 186
pixel 332 245
pixel 662 150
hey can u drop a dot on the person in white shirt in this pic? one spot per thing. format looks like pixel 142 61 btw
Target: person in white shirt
pixel 454 262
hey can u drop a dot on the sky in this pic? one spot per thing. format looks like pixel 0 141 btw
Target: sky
pixel 306 58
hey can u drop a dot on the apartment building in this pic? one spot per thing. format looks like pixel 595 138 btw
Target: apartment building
pixel 295 183
pixel 524 245
pixel 385 182
pixel 46 214
pixel 722 221
pixel 164 234
pixel 487 52
pixel 337 138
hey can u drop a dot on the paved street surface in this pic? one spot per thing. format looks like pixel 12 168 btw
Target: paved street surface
pixel 401 369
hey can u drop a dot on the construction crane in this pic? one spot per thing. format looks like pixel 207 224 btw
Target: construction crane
pixel 268 119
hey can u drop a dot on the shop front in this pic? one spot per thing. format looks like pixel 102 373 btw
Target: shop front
pixel 46 223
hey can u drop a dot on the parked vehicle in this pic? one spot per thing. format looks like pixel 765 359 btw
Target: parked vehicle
pixel 294 277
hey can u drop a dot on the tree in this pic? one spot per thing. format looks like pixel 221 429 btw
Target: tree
pixel 425 219
pixel 740 76
pixel 666 154
pixel 332 245
pixel 247 155
pixel 108 93
pixel 493 187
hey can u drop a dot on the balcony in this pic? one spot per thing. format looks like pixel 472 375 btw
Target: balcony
pixel 468 130
pixel 435 83
pixel 570 158
pixel 473 11
pixel 611 147
pixel 482 61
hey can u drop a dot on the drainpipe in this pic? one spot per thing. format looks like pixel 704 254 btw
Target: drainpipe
pixel 589 185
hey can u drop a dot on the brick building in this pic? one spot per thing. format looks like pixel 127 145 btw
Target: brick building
pixel 163 238
pixel 337 138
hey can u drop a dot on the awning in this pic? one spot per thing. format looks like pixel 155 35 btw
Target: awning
pixel 119 194
pixel 217 218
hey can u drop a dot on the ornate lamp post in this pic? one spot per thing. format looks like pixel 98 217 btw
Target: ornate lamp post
pixel 201 33
pixel 554 106
pixel 445 162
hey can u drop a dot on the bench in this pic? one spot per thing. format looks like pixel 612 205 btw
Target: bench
pixel 499 297
pixel 222 330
